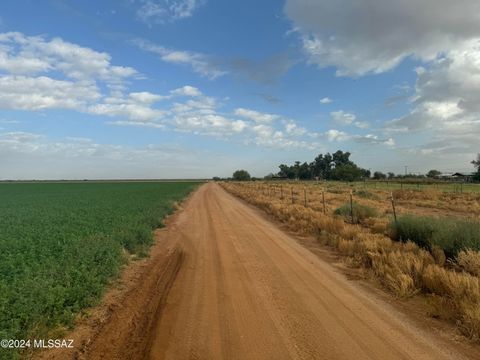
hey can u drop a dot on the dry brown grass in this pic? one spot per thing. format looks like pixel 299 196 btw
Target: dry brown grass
pixel 402 268
pixel 469 260
pixel 439 255
pixel 457 297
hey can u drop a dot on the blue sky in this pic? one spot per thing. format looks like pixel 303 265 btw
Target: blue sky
pixel 199 88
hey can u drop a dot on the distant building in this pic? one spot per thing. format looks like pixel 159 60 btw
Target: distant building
pixel 466 177
pixel 445 176
pixel 457 176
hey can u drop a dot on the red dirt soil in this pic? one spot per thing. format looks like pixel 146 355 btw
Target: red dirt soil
pixel 224 282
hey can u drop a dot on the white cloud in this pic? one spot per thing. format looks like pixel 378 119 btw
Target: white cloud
pixel 138 123
pixel 40 74
pixel 43 74
pixel 199 115
pixel 325 100
pixel 146 97
pixel 362 124
pixel 268 136
pixel 374 36
pixel 38 93
pixel 293 129
pixel 200 63
pixel 256 116
pixel 36 62
pixel 334 135
pixel 163 11
pixel 343 118
pixel 346 119
pixel 208 124
pixel 187 90
pixel 203 105
pixel 337 135
pixel 32 55
pixel 130 111
pixel 446 104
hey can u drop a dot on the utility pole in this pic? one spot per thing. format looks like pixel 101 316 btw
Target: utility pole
pixel 406 167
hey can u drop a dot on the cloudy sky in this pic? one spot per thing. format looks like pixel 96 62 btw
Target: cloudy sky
pixel 198 88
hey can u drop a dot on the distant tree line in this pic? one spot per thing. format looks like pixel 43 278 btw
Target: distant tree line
pixel 336 166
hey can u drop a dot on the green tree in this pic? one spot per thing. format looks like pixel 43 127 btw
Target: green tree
pixel 323 166
pixel 336 166
pixel 347 172
pixel 391 175
pixel 433 173
pixel 241 175
pixel 378 175
pixel 286 171
pixel 304 172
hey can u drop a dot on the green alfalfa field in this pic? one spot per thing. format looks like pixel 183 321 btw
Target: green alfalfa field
pixel 61 244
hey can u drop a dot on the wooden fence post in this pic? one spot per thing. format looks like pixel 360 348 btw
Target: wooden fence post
pixel 323 199
pixel 305 196
pixel 351 205
pixel 281 192
pixel 292 196
pixel 393 207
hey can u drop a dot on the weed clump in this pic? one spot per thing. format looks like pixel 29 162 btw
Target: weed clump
pixel 451 235
pixel 360 212
pixel 469 261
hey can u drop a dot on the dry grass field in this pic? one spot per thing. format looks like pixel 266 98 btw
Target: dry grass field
pixel 430 249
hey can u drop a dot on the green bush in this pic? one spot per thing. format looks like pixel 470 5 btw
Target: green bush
pixel 360 212
pixel 451 235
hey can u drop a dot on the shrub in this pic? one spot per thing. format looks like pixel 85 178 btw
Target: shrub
pixel 360 212
pixel 450 235
pixel 417 229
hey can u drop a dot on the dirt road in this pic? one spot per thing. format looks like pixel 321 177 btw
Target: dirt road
pixel 246 290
